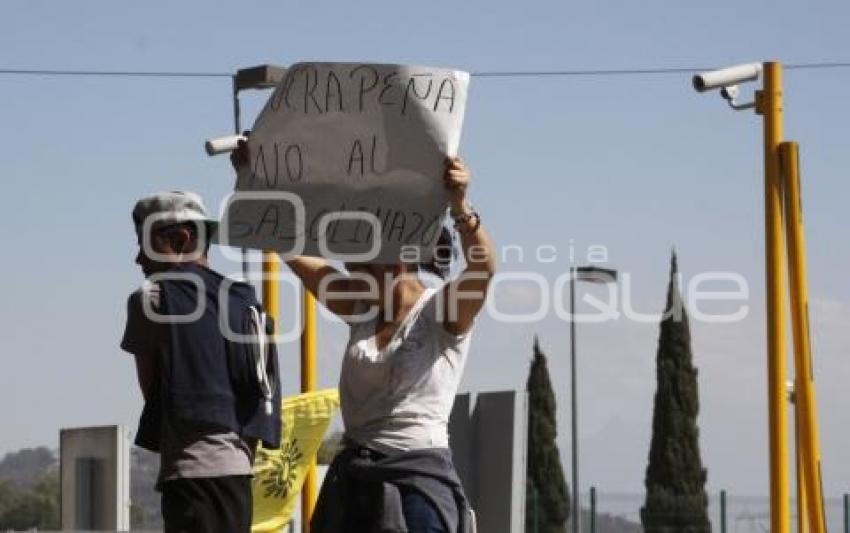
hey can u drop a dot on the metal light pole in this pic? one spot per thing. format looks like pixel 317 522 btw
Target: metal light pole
pixel 592 509
pixel 268 77
pixel 590 274
pixel 260 77
pixel 237 129
pixel 846 500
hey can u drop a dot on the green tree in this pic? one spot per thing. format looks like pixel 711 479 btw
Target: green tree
pixel 547 495
pixel 36 507
pixel 8 498
pixel 137 516
pixel 675 478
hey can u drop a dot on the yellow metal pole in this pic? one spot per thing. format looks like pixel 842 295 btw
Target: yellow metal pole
pixel 308 383
pixel 802 526
pixel 804 383
pixel 271 293
pixel 769 105
pixel 271 297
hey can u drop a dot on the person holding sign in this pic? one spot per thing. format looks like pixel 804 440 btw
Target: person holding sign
pixel 406 351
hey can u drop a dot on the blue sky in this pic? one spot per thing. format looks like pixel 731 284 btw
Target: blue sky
pixel 638 164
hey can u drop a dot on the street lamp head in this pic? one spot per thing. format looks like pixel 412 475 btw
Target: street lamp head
pixel 595 274
pixel 259 77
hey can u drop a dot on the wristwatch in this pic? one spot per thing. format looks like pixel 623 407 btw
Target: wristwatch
pixel 462 221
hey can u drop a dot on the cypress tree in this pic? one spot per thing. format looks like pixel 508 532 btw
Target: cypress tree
pixel 675 479
pixel 547 496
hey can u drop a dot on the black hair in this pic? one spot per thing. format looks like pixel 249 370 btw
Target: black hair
pixel 444 253
pixel 193 228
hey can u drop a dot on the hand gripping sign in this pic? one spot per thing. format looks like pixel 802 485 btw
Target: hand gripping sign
pixel 361 148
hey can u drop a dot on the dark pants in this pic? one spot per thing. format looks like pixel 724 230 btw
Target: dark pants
pixel 363 498
pixel 207 505
pixel 420 514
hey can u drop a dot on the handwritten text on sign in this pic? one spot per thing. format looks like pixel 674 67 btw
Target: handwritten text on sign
pixel 362 147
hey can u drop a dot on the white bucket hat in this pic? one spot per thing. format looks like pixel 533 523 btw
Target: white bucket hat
pixel 168 208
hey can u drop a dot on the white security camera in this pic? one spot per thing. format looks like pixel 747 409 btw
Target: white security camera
pixel 223 145
pixel 716 79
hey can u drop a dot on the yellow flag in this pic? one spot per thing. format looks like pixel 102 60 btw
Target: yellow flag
pixel 279 474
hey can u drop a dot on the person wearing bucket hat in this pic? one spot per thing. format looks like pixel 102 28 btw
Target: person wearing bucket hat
pixel 211 390
pixel 172 221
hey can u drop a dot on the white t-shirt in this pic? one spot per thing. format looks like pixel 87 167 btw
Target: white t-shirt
pixel 400 398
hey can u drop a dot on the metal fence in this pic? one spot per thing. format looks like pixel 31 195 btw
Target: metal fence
pixel 610 512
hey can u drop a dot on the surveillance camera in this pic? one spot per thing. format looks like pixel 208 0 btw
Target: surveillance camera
pixel 725 77
pixel 223 144
pixel 730 92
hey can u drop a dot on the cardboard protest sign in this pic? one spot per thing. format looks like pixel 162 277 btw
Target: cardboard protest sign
pixel 348 159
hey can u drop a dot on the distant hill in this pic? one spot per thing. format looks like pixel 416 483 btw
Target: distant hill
pixel 606 523
pixel 21 469
pixel 29 490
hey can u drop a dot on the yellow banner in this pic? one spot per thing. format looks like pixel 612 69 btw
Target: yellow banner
pixel 279 474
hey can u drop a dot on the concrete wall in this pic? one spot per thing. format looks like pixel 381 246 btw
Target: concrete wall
pixel 488 436
pixel 95 478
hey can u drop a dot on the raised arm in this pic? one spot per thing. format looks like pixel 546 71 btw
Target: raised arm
pixel 465 295
pixel 324 282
